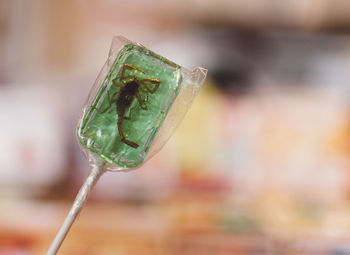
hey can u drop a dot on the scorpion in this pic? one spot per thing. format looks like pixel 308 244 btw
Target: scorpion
pixel 124 97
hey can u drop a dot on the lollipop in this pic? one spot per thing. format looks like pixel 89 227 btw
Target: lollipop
pixel 137 101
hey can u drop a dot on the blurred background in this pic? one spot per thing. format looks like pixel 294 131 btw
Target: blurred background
pixel 260 165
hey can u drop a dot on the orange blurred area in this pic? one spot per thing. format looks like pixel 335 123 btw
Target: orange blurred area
pixel 260 164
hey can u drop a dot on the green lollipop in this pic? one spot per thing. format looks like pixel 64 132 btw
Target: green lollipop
pixel 135 104
pixel 130 106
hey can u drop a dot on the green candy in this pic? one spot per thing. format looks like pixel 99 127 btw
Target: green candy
pixel 151 84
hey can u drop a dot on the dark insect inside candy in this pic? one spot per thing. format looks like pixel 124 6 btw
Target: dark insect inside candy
pixel 129 89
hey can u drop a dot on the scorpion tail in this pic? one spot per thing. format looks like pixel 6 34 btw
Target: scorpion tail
pixel 122 135
pixel 130 143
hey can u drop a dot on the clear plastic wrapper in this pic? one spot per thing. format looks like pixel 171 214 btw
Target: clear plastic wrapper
pixel 136 103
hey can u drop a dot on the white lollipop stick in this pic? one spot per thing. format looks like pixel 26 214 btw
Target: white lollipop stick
pixel 95 173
